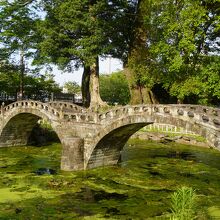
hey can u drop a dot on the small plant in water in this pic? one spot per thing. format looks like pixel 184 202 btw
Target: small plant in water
pixel 183 204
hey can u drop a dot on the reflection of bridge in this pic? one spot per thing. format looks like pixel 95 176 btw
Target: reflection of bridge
pixel 91 139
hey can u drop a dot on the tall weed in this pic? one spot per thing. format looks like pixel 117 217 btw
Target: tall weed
pixel 183 203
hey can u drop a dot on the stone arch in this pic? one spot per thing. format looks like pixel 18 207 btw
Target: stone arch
pixel 110 140
pixel 18 123
pixel 18 119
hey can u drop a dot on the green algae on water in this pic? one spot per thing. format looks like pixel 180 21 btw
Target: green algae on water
pixel 140 187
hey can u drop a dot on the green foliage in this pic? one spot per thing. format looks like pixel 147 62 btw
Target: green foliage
pixel 204 86
pixel 72 87
pixel 80 31
pixel 176 44
pixel 183 203
pixel 36 86
pixel 185 51
pixel 40 86
pixel 171 43
pixel 137 189
pixel 114 89
pixel 18 29
pixel 76 33
pixel 18 37
pixel 9 78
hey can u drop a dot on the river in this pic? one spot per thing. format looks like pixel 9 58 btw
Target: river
pixel 33 187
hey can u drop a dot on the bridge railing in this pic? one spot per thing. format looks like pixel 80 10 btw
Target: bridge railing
pixel 66 106
pixel 62 110
pixel 29 104
pixel 166 128
pixel 208 116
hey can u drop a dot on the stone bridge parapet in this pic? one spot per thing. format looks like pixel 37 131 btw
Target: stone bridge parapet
pixel 206 116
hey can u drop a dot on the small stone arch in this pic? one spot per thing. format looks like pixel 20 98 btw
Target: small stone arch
pixel 18 124
pixel 19 118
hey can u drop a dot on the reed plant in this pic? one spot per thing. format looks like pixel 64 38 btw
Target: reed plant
pixel 183 204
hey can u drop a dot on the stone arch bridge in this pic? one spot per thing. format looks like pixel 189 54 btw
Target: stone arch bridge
pixel 90 139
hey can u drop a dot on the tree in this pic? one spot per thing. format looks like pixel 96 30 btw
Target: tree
pixel 40 87
pixel 76 33
pixel 9 78
pixel 137 64
pixel 114 88
pixel 17 35
pixel 171 44
pixel 202 88
pixel 186 47
pixel 36 87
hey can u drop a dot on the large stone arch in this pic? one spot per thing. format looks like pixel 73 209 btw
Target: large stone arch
pixel 87 136
pixel 109 141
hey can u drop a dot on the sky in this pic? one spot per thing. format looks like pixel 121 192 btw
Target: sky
pixel 107 66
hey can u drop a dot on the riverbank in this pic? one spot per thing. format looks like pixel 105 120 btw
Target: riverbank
pixel 171 137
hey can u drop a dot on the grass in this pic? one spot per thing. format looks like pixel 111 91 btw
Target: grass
pixel 172 135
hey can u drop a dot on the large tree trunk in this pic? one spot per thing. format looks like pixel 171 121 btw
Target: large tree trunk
pixel 95 99
pixel 90 87
pixel 142 96
pixel 85 86
pixel 138 52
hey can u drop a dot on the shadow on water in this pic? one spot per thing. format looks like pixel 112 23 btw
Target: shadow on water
pixel 132 153
pixel 42 171
pixel 181 155
pixel 87 197
pixel 206 156
pixel 90 195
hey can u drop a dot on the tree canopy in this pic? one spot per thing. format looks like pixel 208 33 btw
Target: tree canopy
pixel 72 87
pixel 169 44
pixel 18 36
pixel 76 33
pixel 176 45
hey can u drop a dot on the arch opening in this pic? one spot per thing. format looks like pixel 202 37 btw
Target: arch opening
pixel 25 129
pixel 107 151
pixel 43 134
